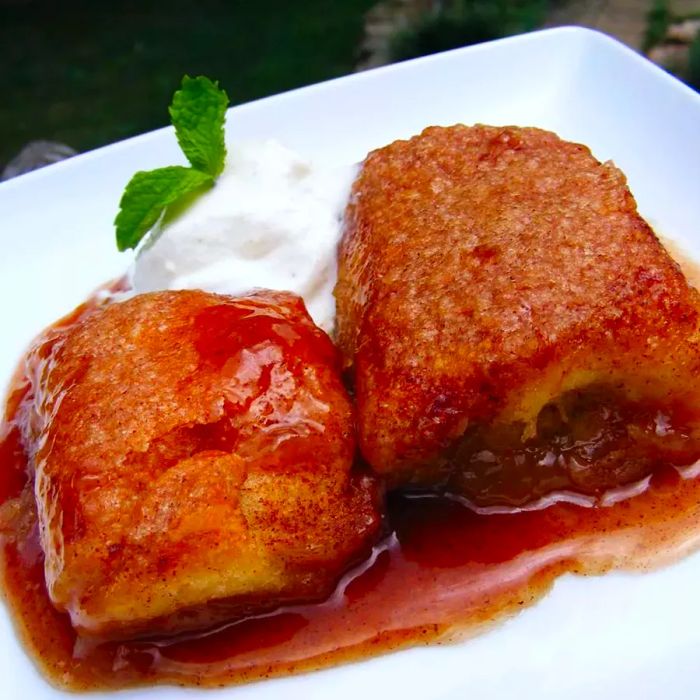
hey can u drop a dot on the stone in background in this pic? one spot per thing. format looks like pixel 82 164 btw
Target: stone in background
pixel 626 20
pixel 36 154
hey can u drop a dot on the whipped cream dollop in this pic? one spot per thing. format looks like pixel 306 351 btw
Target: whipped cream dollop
pixel 272 220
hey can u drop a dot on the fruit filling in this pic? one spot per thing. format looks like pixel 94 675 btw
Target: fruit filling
pixel 588 441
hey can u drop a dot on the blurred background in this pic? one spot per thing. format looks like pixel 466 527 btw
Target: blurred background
pixel 78 74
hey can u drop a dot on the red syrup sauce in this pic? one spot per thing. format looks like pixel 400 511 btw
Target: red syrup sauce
pixel 442 569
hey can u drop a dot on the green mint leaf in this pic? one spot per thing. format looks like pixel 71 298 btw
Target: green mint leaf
pixel 198 112
pixel 146 197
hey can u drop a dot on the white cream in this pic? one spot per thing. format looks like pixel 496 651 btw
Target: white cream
pixel 271 221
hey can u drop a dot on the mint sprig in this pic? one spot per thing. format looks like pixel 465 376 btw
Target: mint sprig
pixel 148 194
pixel 198 113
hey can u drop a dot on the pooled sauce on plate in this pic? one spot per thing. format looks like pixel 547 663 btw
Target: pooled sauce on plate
pixel 442 569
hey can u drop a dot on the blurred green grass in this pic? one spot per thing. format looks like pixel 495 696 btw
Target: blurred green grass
pixel 89 72
pixel 465 22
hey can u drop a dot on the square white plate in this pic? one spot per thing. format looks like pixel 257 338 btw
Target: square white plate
pixel 618 636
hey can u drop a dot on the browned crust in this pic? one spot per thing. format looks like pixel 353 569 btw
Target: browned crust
pixel 191 448
pixel 483 270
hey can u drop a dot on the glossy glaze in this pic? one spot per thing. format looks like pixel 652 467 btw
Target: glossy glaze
pixel 192 457
pixel 441 569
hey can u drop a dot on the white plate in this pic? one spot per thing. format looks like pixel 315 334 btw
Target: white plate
pixel 618 636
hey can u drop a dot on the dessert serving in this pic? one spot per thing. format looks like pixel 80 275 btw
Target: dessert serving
pixel 189 449
pixel 514 327
pixel 199 487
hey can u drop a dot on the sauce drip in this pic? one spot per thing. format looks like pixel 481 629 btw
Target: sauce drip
pixel 490 564
pixel 442 569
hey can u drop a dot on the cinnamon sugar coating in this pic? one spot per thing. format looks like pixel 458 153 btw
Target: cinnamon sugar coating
pixel 484 272
pixel 192 456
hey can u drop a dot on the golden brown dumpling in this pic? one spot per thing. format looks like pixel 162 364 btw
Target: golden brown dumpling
pixel 513 325
pixel 193 460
